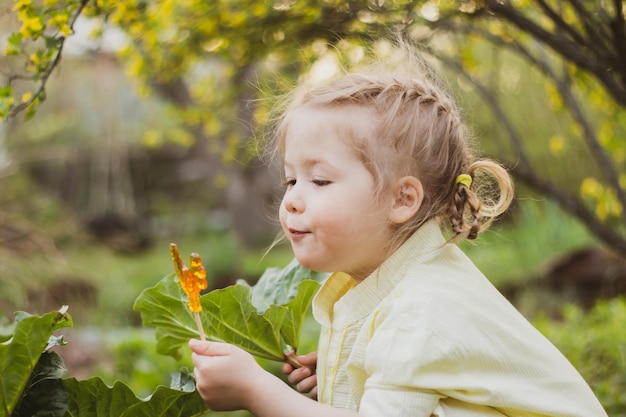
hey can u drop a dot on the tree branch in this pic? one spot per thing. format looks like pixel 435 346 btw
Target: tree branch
pixel 598 38
pixel 583 57
pixel 53 64
pixel 618 31
pixel 560 23
pixel 602 158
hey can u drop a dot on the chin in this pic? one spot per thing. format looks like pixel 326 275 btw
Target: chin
pixel 309 264
pixel 306 263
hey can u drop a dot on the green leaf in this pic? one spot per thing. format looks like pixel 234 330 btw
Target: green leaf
pixel 44 393
pixel 230 316
pixel 263 320
pixel 20 354
pixel 279 286
pixel 93 398
pixel 6 91
pixel 162 307
pixel 15 39
pixel 183 381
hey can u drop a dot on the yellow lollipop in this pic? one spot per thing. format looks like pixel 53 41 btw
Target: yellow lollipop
pixel 192 280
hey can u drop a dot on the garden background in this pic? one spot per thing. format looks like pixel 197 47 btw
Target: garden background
pixel 130 125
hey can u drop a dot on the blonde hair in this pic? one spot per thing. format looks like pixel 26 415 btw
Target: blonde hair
pixel 419 132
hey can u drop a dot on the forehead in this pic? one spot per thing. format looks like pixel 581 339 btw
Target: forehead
pixel 351 123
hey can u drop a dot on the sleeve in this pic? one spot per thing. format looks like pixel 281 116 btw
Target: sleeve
pixel 403 365
pixel 413 368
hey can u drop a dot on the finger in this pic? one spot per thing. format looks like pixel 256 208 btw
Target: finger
pixel 299 374
pixel 313 393
pixel 307 385
pixel 310 359
pixel 286 368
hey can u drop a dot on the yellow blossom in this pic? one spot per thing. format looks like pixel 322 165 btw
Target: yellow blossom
pixel 590 188
pixel 22 4
pixel 65 30
pixel 10 50
pixel 26 97
pixel 31 26
pixel 557 145
pixel 151 138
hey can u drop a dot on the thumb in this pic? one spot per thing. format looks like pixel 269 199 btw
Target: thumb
pixel 200 347
pixel 207 348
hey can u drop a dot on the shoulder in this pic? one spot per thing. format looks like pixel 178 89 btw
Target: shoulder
pixel 449 297
pixel 448 278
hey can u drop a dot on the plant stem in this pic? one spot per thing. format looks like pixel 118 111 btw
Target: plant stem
pixel 290 358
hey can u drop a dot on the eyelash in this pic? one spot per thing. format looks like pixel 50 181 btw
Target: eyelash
pixel 289 182
pixel 292 182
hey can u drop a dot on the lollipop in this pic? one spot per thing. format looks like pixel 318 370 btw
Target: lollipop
pixel 192 280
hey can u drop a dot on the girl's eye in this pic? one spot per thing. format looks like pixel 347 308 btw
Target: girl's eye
pixel 321 183
pixel 289 182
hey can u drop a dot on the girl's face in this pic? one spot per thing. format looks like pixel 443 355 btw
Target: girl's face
pixel 330 212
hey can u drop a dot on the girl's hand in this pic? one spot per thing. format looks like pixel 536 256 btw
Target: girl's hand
pixel 227 377
pixel 304 378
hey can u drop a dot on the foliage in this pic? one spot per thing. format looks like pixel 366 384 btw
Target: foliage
pixel 44 390
pixel 20 352
pixel 32 379
pixel 93 398
pixel 46 27
pixel 264 319
pixel 595 343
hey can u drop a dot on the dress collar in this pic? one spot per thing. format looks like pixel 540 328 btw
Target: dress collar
pixel 340 296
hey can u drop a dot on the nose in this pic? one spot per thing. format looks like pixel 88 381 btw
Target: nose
pixel 293 201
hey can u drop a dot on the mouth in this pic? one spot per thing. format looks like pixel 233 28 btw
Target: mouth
pixel 295 233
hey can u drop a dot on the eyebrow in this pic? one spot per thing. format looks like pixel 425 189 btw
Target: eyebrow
pixel 310 162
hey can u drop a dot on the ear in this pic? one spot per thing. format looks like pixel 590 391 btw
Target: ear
pixel 407 198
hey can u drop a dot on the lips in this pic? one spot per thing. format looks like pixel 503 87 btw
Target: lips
pixel 296 234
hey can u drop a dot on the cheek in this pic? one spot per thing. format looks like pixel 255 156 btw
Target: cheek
pixel 336 221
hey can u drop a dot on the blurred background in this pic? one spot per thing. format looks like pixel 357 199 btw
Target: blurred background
pixel 130 125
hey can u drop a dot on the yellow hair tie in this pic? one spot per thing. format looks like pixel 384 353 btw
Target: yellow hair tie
pixel 464 179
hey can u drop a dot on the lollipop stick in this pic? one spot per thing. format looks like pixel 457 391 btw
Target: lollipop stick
pixel 199 324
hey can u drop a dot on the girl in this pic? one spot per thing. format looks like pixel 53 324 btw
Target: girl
pixel 374 166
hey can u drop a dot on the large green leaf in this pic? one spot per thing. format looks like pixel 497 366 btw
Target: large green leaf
pixel 279 286
pixel 93 398
pixel 44 395
pixel 19 354
pixel 264 320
